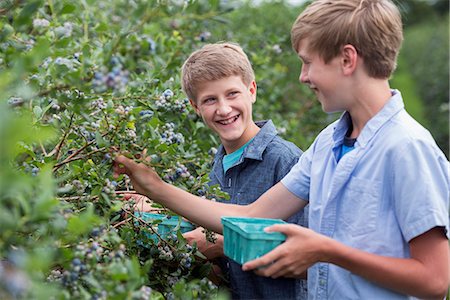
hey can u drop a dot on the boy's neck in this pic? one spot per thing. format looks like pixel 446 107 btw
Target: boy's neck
pixel 368 101
pixel 249 133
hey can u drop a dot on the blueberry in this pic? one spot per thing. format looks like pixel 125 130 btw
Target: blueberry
pixel 168 94
pixel 146 114
pixel 76 262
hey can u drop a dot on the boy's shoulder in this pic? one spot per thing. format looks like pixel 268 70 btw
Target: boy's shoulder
pixel 280 145
pixel 267 144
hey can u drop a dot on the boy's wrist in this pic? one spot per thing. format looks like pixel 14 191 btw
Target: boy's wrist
pixel 328 250
pixel 159 191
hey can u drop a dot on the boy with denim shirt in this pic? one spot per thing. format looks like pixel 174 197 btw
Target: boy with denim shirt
pixel 264 162
pixel 377 184
pixel 220 84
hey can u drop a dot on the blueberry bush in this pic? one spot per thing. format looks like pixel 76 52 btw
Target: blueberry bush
pixel 84 80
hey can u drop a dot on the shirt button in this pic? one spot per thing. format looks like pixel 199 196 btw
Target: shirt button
pixel 322 282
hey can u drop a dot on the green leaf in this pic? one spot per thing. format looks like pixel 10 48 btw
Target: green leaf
pixel 67 9
pixel 37 110
pixel 101 142
pixel 82 223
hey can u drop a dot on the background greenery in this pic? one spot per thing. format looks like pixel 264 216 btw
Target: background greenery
pixel 82 80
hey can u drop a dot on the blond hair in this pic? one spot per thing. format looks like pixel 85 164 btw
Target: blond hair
pixel 214 62
pixel 373 27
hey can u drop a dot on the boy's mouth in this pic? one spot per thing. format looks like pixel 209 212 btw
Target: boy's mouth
pixel 229 120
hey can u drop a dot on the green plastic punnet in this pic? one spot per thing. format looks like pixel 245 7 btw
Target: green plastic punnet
pixel 245 238
pixel 168 225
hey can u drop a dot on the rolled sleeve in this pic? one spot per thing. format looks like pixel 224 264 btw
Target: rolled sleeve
pixel 297 181
pixel 427 190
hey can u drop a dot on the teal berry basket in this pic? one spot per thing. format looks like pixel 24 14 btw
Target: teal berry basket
pixel 168 225
pixel 245 238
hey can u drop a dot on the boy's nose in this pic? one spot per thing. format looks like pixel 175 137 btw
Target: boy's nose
pixel 303 78
pixel 223 108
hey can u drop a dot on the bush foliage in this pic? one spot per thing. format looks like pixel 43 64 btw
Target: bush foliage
pixel 81 81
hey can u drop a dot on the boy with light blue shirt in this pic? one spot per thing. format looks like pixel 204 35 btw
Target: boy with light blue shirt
pixel 378 214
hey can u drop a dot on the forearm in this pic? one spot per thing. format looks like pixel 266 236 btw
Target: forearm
pixel 198 210
pixel 422 277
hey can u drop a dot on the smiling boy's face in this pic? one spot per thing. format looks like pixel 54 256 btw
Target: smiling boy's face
pixel 226 107
pixel 324 79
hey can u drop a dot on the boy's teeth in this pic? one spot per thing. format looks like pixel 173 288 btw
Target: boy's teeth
pixel 228 121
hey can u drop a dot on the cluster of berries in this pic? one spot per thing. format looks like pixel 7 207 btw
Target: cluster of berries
pixel 180 171
pixel 110 186
pixel 98 104
pixel 116 79
pixel 146 114
pixel 64 31
pixel 168 136
pixel 165 253
pixel 167 102
pixel 121 110
pixel 91 259
pixel 40 23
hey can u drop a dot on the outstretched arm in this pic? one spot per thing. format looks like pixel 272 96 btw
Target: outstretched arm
pixel 277 202
pixel 424 275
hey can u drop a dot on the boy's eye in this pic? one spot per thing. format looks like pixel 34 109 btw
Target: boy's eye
pixel 233 93
pixel 208 100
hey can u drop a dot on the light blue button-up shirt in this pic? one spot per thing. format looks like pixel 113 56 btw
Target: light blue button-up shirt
pixel 391 188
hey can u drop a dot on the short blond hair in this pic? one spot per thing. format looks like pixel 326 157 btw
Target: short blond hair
pixel 373 27
pixel 214 62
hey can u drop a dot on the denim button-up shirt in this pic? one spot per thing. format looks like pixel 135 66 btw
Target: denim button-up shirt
pixel 391 188
pixel 265 161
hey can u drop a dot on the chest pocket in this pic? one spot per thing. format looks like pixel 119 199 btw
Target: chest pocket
pixel 250 189
pixel 360 206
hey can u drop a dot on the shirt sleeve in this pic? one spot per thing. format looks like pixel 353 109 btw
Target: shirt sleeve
pixel 421 186
pixel 297 181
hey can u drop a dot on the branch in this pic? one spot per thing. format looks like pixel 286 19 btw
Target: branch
pixel 68 160
pixel 57 149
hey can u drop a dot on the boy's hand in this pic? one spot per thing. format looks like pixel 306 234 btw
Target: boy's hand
pixel 293 257
pixel 144 179
pixel 208 249
pixel 141 202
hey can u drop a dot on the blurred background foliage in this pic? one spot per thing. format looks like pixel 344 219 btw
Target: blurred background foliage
pixel 82 79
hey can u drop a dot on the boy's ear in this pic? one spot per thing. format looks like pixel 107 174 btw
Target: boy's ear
pixel 195 106
pixel 349 59
pixel 253 88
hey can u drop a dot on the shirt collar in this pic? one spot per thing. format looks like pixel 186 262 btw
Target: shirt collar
pixel 260 142
pixel 391 108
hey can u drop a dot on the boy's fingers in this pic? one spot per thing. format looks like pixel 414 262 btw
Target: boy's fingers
pixel 287 229
pixel 123 160
pixel 262 261
pixel 283 228
pixel 122 165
